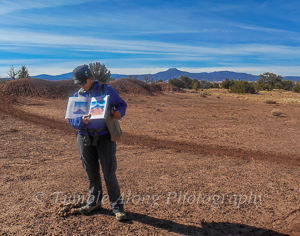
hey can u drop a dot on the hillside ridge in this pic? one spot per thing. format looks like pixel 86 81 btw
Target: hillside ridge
pixel 171 73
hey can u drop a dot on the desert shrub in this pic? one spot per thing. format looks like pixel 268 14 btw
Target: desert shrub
pixel 278 86
pixel 195 85
pixel 287 85
pixel 241 86
pixel 296 88
pixel 204 84
pixel 176 82
pixel 214 85
pixel 187 81
pixel 23 73
pixel 270 81
pixel 267 81
pixel 227 83
pixel 204 94
pixel 276 112
pixel 268 101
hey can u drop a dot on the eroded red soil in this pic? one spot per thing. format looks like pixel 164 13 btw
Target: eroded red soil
pixel 187 165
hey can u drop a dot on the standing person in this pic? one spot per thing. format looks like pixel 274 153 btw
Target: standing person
pixel 94 143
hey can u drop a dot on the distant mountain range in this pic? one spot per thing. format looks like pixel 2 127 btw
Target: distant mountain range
pixel 79 111
pixel 175 73
pixel 54 77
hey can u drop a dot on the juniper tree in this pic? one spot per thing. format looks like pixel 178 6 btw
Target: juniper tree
pixel 100 72
pixel 23 73
pixel 195 85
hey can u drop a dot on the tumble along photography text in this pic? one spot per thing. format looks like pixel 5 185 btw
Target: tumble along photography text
pixel 156 200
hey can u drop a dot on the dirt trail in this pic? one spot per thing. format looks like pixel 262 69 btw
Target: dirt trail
pixel 145 140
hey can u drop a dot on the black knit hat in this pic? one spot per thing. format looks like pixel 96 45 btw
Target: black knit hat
pixel 81 74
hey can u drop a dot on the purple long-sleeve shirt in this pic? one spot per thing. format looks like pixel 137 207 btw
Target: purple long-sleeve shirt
pixel 115 101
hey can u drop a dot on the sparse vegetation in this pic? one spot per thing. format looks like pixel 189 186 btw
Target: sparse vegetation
pixel 203 84
pixel 214 85
pixel 270 81
pixel 241 86
pixel 296 87
pixel 287 85
pixel 276 112
pixel 204 94
pixel 14 74
pixel 227 83
pixel 195 84
pixel 185 82
pixel 23 73
pixel 147 79
pixel 267 82
pixel 269 101
pixel 176 82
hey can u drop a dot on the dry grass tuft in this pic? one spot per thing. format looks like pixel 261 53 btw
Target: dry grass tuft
pixel 204 94
pixel 268 101
pixel 68 209
pixel 276 112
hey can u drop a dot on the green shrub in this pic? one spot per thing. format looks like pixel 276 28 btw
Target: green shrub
pixel 227 83
pixel 214 85
pixel 177 82
pixel 269 81
pixel 204 94
pixel 241 86
pixel 296 88
pixel 204 84
pixel 195 84
pixel 287 85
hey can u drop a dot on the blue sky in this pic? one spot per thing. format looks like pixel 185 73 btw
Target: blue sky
pixel 139 37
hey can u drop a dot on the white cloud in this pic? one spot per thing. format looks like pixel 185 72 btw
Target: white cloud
pixel 9 6
pixel 32 38
pixel 41 66
pixel 255 70
pixel 43 20
pixel 137 71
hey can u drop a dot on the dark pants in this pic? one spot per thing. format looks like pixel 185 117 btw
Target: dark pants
pixel 105 151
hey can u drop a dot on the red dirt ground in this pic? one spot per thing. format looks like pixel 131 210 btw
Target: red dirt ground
pixel 187 164
pixel 66 88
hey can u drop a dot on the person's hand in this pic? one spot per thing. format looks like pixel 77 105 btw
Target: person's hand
pixel 117 114
pixel 86 119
